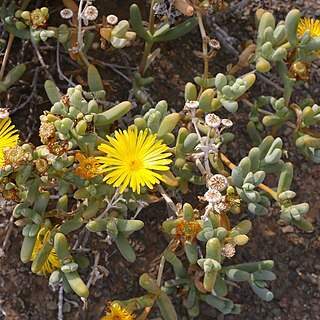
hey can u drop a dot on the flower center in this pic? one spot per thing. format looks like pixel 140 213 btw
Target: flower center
pixel 135 165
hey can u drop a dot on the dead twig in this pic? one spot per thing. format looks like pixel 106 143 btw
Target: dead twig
pixel 60 303
pixel 43 64
pixel 5 243
pixel 97 271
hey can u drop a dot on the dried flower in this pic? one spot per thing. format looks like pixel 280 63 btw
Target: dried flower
pixel 58 148
pixel 52 262
pixel 167 10
pixel 221 207
pixel 11 194
pixel 116 312
pixel 112 19
pixel 213 196
pixel 39 17
pixel 299 70
pixel 228 250
pixel 42 165
pixel 8 137
pixel 133 159
pixel 47 131
pixel 66 13
pixel 65 100
pixel 212 120
pixel 191 105
pixel 88 167
pixel 227 123
pixel 15 156
pixel 214 44
pixel 187 231
pixel 4 113
pixel 90 13
pixel 218 182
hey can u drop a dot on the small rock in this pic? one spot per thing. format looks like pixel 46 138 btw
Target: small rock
pixel 287 229
pixel 276 311
pixel 66 307
pixel 51 305
pixel 283 266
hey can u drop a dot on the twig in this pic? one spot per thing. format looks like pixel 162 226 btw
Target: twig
pixel 97 271
pixel 8 233
pixel 115 198
pixel 160 271
pixel 267 81
pixel 80 44
pixel 205 40
pixel 268 113
pixel 262 186
pixel 40 58
pixel 113 67
pixel 236 6
pixel 171 206
pixel 60 303
pixel 6 55
pixel 147 310
pixel 28 99
pixel 61 74
pixel 81 235
pixel 225 38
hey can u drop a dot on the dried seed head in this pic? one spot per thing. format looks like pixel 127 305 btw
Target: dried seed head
pixel 15 156
pixel 213 196
pixel 112 19
pixel 191 105
pixel 65 100
pixel 58 148
pixel 220 207
pixel 212 120
pixel 214 44
pixel 66 13
pixel 228 250
pixel 299 70
pixel 218 182
pixel 91 13
pixel 4 113
pixel 47 131
pixel 42 165
pixel 11 194
pixel 227 123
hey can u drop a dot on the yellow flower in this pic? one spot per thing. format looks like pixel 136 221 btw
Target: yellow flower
pixel 116 312
pixel 312 25
pixel 88 167
pixel 133 158
pixel 52 263
pixel 8 137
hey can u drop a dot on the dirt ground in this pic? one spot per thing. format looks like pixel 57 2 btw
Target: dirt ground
pixel 24 295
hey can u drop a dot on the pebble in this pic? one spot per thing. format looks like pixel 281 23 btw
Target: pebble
pixel 276 311
pixel 283 266
pixel 287 229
